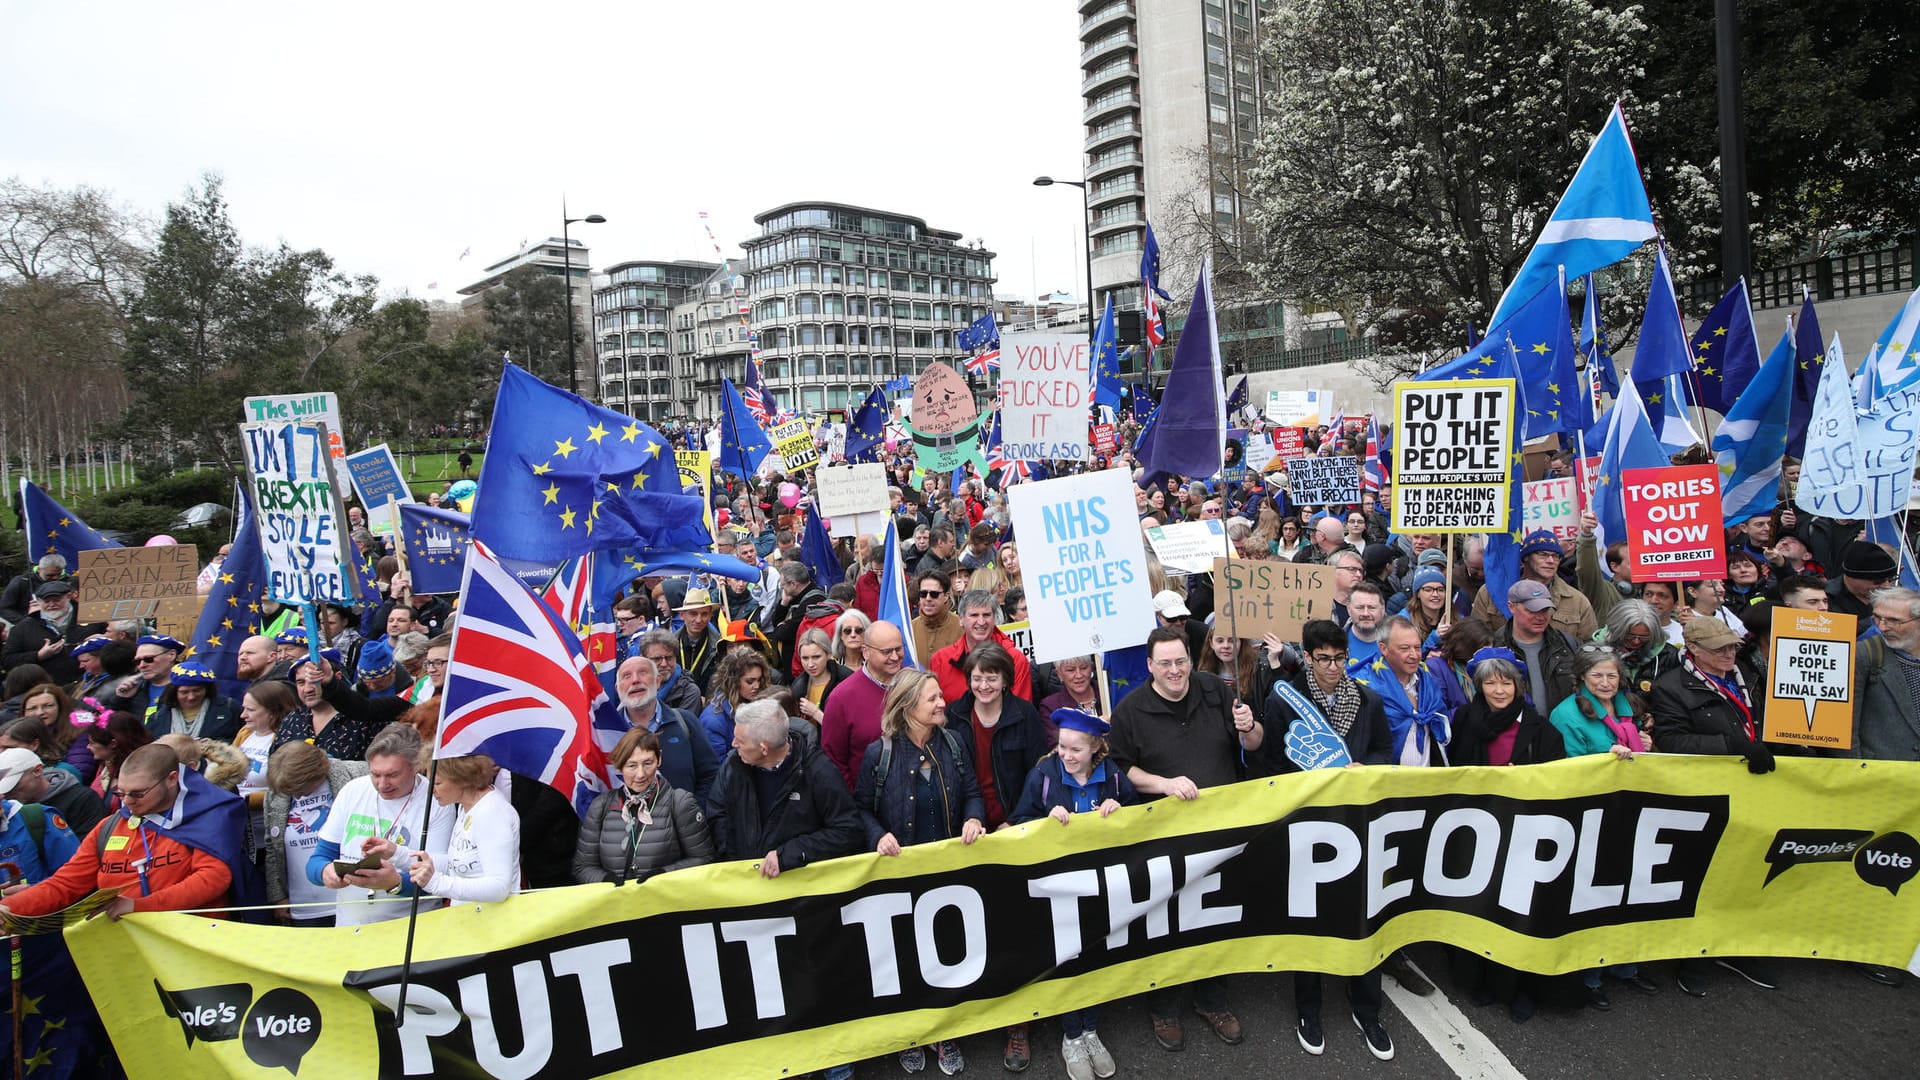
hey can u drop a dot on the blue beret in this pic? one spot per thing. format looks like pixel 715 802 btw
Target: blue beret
pixel 1078 720
pixel 192 673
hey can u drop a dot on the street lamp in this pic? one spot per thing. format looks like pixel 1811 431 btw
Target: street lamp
pixel 1086 220
pixel 566 255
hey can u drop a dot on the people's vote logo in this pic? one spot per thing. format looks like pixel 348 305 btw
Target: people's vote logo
pixel 275 1032
pixel 1886 861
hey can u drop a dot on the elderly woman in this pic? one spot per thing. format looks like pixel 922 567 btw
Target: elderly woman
pixel 1077 690
pixel 850 638
pixel 916 785
pixel 741 675
pixel 646 826
pixel 301 782
pixel 819 673
pixel 1500 726
pixel 191 705
pixel 1633 631
pixel 482 861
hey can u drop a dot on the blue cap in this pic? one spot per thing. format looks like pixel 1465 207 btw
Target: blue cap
pixel 292 635
pixel 1497 652
pixel 1080 720
pixel 376 659
pixel 1427 576
pixel 1540 540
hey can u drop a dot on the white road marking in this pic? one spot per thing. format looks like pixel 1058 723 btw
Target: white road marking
pixel 1468 1052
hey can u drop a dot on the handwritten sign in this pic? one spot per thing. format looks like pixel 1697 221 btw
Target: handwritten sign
pixel 1045 391
pixel 1810 678
pixel 852 489
pixel 319 408
pixel 1324 481
pixel 1256 597
pixel 1453 455
pixel 1189 547
pixel 1550 504
pixel 1084 564
pixel 1674 523
pixel 696 473
pixel 794 440
pixel 297 496
pixel 138 583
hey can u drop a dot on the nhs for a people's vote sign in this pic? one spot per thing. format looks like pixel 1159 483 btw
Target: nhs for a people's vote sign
pixel 1084 564
pixel 302 524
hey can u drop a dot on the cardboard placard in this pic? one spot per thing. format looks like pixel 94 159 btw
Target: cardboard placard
pixel 871 523
pixel 1289 444
pixel 851 489
pixel 139 583
pixel 1045 391
pixel 1453 452
pixel 179 618
pixel 1810 678
pixel 321 408
pixel 302 524
pixel 1256 597
pixel 1084 564
pixel 793 440
pixel 1189 547
pixel 1551 504
pixel 1674 523
pixel 1324 481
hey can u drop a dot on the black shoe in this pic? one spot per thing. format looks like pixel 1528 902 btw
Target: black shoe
pixel 1408 976
pixel 1309 1034
pixel 1691 983
pixel 1521 1010
pixel 1640 982
pixel 1883 976
pixel 1751 970
pixel 1379 1043
pixel 1597 998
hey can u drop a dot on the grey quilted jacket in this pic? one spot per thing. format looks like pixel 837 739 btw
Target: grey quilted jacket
pixel 677 839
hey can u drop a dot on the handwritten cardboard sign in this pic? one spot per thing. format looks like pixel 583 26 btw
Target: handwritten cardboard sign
pixel 1256 597
pixel 138 583
pixel 302 524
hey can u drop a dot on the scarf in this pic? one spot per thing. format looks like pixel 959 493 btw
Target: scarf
pixel 1417 720
pixel 1734 690
pixel 1482 722
pixel 1618 719
pixel 639 805
pixel 1342 706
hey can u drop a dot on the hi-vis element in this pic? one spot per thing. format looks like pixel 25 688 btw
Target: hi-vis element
pixel 1548 868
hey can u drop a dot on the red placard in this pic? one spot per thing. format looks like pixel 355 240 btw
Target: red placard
pixel 1674 530
pixel 1585 471
pixel 1103 438
pixel 1289 443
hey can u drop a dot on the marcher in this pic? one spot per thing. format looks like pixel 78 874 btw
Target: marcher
pixel 482 860
pixel 646 826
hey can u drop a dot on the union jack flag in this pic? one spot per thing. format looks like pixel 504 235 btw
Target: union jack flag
pixel 1011 471
pixel 1372 472
pixel 1154 326
pixel 983 363
pixel 753 391
pixel 520 687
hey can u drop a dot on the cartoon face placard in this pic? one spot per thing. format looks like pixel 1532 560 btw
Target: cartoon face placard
pixel 946 423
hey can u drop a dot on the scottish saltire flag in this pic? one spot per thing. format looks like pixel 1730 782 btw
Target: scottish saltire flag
pixel 743 441
pixel 232 611
pixel 1810 356
pixel 1666 403
pixel 52 529
pixel 1630 444
pixel 1895 356
pixel 816 550
pixel 866 431
pixel 1188 434
pixel 1726 352
pixel 1153 325
pixel 760 400
pixel 1602 217
pixel 981 363
pixel 436 545
pixel 1593 345
pixel 893 606
pixel 563 476
pixel 520 687
pixel 981 332
pixel 1106 361
pixel 1753 438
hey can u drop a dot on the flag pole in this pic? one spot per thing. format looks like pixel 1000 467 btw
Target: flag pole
pixel 413 911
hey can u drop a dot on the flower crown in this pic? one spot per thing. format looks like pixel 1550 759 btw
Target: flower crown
pixel 94 715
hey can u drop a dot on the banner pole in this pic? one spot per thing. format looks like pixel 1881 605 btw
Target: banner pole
pixel 413 912
pixel 1451 613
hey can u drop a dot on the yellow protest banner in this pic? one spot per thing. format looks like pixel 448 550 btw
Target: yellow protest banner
pixel 1810 678
pixel 1548 868
pixel 696 467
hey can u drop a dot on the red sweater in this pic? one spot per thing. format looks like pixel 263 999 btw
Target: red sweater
pixel 945 666
pixel 851 722
pixel 179 878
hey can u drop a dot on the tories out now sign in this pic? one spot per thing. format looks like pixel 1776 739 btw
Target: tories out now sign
pixel 1673 523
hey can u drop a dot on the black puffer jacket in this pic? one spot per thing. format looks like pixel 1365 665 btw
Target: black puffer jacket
pixel 813 817
pixel 677 838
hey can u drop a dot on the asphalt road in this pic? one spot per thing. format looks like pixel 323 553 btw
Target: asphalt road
pixel 1826 1020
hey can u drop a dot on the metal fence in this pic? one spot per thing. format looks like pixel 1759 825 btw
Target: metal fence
pixel 1831 277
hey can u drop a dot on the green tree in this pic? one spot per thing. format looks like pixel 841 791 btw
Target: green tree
pixel 527 317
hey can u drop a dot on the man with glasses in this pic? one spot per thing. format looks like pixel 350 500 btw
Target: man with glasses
pixel 852 717
pixel 1348 571
pixel 934 625
pixel 1540 557
pixel 1366 615
pixel 1188 733
pixel 153 660
pixel 629 622
pixel 1329 539
pixel 979 624
pixel 1886 724
pixel 1711 704
pixel 380 815
pixel 661 649
pixel 686 757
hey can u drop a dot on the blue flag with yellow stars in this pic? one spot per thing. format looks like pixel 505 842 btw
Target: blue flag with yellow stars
pixel 232 611
pixel 743 442
pixel 1726 352
pixel 1106 361
pixel 563 476
pixel 1126 671
pixel 53 529
pixel 436 546
pixel 1539 339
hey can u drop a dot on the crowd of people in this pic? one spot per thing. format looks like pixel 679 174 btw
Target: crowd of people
pixel 775 720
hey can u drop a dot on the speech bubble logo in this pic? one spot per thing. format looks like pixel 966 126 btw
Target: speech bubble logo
pixel 1791 847
pixel 1890 861
pixel 283 1025
pixel 207 1013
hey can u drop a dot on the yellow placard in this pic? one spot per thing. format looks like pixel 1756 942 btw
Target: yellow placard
pixel 1810 678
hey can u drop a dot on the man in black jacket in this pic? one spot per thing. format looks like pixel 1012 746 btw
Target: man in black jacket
pixel 47 636
pixel 778 800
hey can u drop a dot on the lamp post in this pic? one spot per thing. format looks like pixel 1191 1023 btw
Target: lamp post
pixel 1086 220
pixel 566 256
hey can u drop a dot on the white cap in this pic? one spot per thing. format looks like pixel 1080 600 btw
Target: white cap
pixel 16 763
pixel 1169 605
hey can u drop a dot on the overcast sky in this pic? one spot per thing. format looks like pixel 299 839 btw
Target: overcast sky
pixel 397 135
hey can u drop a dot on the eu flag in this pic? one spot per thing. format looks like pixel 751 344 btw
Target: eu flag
pixel 816 550
pixel 436 546
pixel 1810 355
pixel 232 611
pixel 866 432
pixel 1541 334
pixel 980 332
pixel 1106 362
pixel 563 476
pixel 1726 353
pixel 743 443
pixel 53 529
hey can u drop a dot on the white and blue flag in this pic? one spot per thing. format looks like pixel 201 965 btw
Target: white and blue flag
pixel 1753 438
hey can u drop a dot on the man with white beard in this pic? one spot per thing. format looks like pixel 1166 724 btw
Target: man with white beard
pixel 686 758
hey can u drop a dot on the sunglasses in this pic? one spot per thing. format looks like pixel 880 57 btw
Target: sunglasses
pixel 931 594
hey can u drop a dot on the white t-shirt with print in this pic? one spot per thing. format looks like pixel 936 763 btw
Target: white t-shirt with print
pixel 358 814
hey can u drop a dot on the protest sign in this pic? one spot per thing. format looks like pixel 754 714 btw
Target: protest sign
pixel 1860 467
pixel 302 524
pixel 1324 481
pixel 375 474
pixel 1103 439
pixel 1289 444
pixel 870 523
pixel 1189 547
pixel 851 489
pixel 309 408
pixel 1259 452
pixel 1453 451
pixel 1298 408
pixel 793 439
pixel 1550 505
pixel 1045 390
pixel 1022 634
pixel 1810 678
pixel 1673 523
pixel 1084 564
pixel 179 618
pixel 696 471
pixel 1233 458
pixel 1256 597
pixel 1586 473
pixel 139 583
pixel 943 420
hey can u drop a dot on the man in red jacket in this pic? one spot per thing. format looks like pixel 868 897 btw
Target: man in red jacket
pixel 977 627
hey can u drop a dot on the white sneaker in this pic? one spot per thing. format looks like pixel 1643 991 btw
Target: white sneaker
pixel 1103 1065
pixel 1074 1053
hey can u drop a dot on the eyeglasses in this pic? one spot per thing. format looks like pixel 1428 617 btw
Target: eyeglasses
pixel 1888 620
pixel 897 650
pixel 146 659
pixel 660 661
pixel 1336 660
pixel 131 796
pixel 436 664
pixel 852 631
pixel 627 618
pixel 1349 570
pixel 931 594
pixel 1175 664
